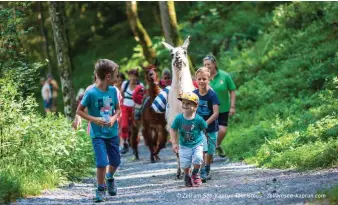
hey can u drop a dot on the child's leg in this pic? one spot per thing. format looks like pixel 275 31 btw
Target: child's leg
pixel 125 123
pixel 114 158
pixel 205 150
pixel 211 151
pixel 100 173
pixel 185 156
pixel 186 171
pixel 197 160
pixel 101 160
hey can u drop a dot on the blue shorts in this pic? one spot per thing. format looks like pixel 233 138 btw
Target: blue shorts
pixel 210 144
pixel 190 156
pixel 106 152
pixel 47 105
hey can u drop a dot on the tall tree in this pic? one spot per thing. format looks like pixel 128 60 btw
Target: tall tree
pixel 169 23
pixel 43 32
pixel 56 11
pixel 170 26
pixel 139 31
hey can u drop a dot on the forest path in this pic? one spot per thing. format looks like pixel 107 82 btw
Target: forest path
pixel 141 182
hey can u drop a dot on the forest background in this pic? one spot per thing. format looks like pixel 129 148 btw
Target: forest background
pixel 282 56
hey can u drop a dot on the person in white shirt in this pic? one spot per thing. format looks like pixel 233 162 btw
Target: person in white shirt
pixel 46 95
pixel 127 88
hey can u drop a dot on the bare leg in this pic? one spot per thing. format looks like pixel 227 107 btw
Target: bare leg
pixel 221 134
pixel 100 174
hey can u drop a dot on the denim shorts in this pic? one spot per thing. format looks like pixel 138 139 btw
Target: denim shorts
pixel 209 145
pixel 48 104
pixel 106 151
pixel 190 156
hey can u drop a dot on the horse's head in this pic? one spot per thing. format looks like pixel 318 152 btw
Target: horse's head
pixel 150 73
pixel 179 55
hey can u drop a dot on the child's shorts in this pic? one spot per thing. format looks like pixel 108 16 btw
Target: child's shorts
pixel 190 156
pixel 209 145
pixel 47 105
pixel 106 151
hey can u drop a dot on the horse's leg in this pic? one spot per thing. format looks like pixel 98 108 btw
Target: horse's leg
pixel 135 140
pixel 162 136
pixel 146 132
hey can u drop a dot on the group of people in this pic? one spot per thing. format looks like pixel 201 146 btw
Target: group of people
pixel 109 106
pixel 202 126
pixel 49 92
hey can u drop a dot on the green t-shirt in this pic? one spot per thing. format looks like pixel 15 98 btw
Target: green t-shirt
pixel 222 84
pixel 189 131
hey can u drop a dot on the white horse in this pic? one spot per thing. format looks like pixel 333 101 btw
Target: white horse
pixel 181 82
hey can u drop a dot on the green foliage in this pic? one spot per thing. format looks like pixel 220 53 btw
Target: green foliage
pixel 287 96
pixel 36 152
pixel 12 54
pixel 331 195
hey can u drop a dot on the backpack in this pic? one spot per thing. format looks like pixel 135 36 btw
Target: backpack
pixel 124 89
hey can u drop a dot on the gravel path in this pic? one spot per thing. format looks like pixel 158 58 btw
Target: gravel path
pixel 140 182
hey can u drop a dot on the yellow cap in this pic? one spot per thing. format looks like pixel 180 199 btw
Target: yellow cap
pixel 189 96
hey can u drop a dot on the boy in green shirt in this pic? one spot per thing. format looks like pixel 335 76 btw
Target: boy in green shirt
pixel 189 126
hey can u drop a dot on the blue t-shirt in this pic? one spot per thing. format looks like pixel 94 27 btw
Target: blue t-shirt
pixel 97 102
pixel 189 131
pixel 205 108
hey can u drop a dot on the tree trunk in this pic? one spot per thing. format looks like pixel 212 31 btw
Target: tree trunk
pixel 44 35
pixel 56 11
pixel 140 33
pixel 170 27
pixel 169 23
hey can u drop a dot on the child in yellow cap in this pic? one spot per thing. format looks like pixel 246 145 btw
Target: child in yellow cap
pixel 189 126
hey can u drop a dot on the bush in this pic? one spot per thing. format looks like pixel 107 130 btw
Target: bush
pixel 36 152
pixel 287 91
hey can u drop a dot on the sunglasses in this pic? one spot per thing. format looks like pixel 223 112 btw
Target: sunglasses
pixel 208 57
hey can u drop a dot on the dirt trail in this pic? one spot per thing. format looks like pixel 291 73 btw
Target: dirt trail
pixel 140 182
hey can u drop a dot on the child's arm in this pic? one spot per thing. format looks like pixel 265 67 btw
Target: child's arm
pixel 116 115
pixel 214 116
pixel 97 120
pixel 173 136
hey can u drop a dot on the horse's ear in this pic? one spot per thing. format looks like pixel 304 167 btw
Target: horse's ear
pixel 169 47
pixel 186 43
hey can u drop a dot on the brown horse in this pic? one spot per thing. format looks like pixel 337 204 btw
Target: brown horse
pixel 154 124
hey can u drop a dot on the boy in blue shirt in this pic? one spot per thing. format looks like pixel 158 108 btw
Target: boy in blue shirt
pixel 189 127
pixel 103 111
pixel 208 108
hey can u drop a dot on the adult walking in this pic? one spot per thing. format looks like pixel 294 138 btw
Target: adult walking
pixel 222 83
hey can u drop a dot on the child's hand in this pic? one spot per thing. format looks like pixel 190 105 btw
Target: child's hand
pixel 175 148
pixel 99 121
pixel 112 121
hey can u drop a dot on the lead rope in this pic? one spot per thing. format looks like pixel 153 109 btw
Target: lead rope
pixel 180 93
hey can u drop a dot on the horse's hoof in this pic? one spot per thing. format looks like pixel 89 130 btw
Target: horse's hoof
pixel 136 158
pixel 157 158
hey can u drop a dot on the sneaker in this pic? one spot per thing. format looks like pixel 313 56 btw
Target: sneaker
pixel 203 175
pixel 111 186
pixel 125 148
pixel 187 181
pixel 99 195
pixel 220 152
pixel 196 179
